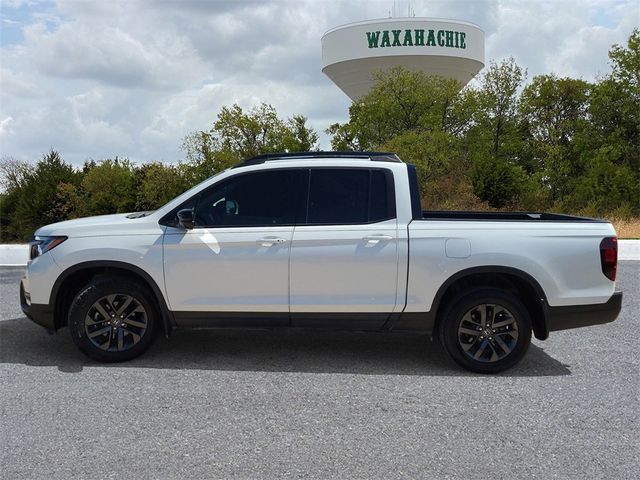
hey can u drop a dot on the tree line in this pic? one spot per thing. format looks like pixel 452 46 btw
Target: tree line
pixel 554 144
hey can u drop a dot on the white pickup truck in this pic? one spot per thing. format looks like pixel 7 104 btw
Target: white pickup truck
pixel 324 240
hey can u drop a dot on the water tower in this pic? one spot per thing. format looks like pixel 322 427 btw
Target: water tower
pixel 352 53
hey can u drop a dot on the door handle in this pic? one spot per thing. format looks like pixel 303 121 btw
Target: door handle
pixel 375 239
pixel 270 241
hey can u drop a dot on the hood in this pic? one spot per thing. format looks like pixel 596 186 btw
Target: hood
pixel 103 225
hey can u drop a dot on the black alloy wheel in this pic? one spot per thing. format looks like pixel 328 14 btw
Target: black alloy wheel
pixel 116 322
pixel 113 319
pixel 486 330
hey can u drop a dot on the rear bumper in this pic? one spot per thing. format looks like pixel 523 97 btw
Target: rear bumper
pixel 575 316
pixel 39 313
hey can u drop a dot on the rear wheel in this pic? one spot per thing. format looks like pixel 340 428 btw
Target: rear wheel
pixel 486 330
pixel 112 320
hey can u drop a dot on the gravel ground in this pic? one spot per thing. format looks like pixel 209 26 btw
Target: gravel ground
pixel 289 404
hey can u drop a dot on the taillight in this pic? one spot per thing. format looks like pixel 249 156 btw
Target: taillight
pixel 609 257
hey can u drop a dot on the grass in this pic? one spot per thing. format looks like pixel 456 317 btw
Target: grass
pixel 627 229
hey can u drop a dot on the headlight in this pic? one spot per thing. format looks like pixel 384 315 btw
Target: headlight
pixel 40 245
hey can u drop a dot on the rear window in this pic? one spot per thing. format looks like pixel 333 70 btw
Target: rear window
pixel 344 196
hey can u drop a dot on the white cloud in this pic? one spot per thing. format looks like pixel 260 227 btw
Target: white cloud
pixel 560 36
pixel 96 79
pixel 5 126
pixel 111 55
pixel 17 85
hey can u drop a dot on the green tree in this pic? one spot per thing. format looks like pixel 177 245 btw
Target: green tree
pixel 494 142
pixel 497 116
pixel 401 101
pixel 109 187
pixel 553 113
pixel 198 147
pixel 344 137
pixel 610 143
pixel 554 108
pixel 13 172
pixel 68 201
pixel 37 199
pixel 157 184
pixel 615 103
pixel 298 136
pixel 249 134
pixel 237 135
pixel 202 160
pixel 499 182
pixel 606 187
pixel 625 62
pixel 430 152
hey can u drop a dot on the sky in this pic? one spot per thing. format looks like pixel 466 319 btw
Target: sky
pixel 96 79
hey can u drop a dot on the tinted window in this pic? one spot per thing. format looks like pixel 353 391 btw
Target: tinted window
pixel 261 198
pixel 339 196
pixel 379 205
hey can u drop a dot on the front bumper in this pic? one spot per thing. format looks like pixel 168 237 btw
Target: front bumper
pixel 575 316
pixel 39 313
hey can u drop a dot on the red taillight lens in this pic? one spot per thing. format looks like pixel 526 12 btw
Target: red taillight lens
pixel 609 257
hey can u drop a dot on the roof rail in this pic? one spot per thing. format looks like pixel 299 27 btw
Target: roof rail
pixel 268 157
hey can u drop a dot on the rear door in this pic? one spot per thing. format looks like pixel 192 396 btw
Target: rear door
pixel 344 256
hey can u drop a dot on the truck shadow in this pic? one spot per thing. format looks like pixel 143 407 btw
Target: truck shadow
pixel 22 342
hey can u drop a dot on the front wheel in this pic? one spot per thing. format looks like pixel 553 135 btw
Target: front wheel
pixel 486 330
pixel 112 320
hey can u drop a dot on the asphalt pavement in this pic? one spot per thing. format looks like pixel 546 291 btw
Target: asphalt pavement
pixel 240 404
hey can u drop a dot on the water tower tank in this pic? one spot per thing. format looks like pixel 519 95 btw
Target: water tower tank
pixel 352 53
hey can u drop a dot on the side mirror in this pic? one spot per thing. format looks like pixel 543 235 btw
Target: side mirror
pixel 185 218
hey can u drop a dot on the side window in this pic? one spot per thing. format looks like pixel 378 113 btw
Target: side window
pixel 381 206
pixel 344 196
pixel 254 199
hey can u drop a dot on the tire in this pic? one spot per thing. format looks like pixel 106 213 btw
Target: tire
pixel 113 319
pixel 479 345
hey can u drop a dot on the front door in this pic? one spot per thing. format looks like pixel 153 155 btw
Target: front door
pixel 236 258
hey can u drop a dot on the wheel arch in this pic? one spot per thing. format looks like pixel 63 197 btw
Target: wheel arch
pixel 75 277
pixel 508 278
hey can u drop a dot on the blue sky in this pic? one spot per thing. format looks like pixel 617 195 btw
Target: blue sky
pixel 17 15
pixel 95 79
